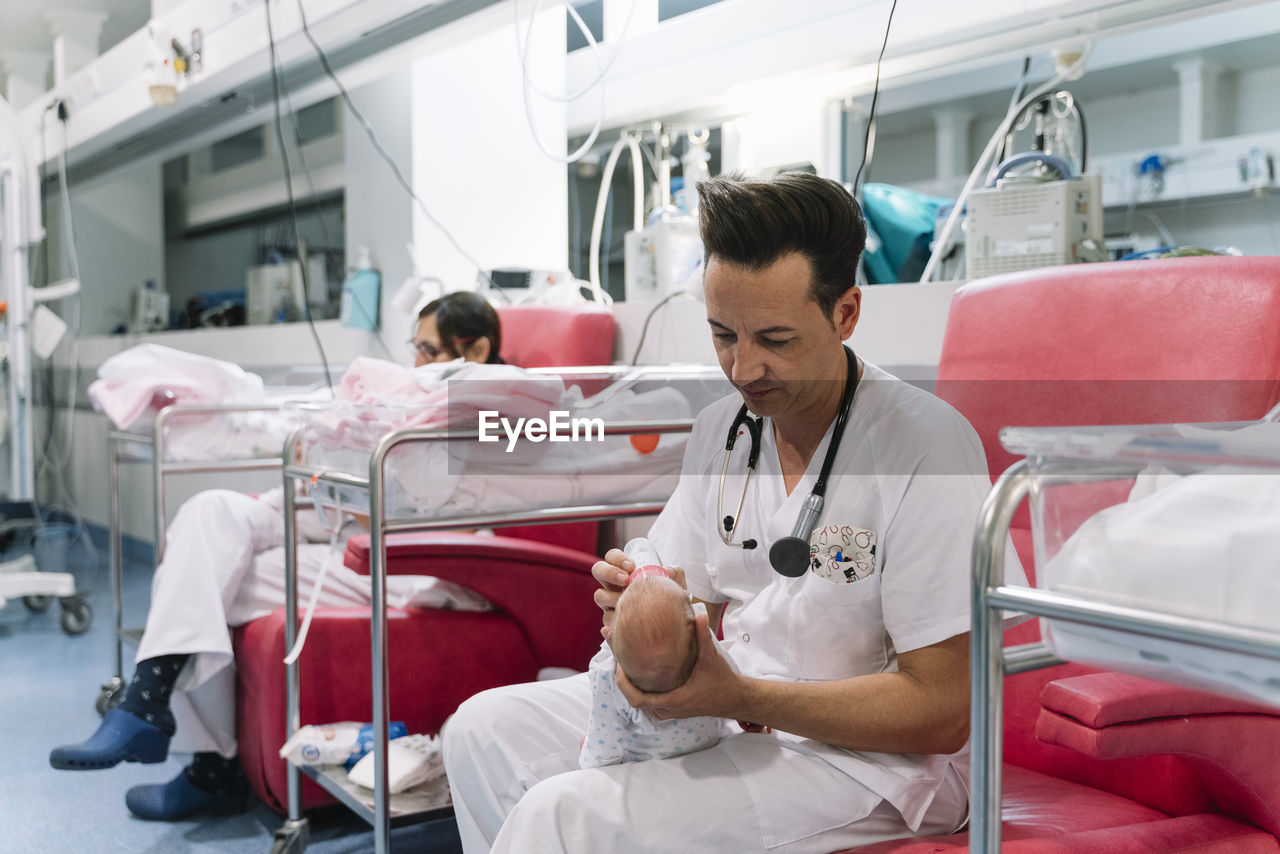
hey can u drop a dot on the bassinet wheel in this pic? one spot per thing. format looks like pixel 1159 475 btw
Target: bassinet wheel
pixel 110 696
pixel 37 604
pixel 291 837
pixel 77 616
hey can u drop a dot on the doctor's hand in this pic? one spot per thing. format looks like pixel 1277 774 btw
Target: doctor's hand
pixel 612 573
pixel 711 689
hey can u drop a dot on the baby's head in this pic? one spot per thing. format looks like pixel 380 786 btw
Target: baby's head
pixel 653 633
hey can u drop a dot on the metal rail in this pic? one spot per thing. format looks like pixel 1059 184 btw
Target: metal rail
pixel 989 662
pixel 125 447
pixel 374 485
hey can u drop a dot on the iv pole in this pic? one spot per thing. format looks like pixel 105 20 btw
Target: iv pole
pixel 20 229
pixel 20 197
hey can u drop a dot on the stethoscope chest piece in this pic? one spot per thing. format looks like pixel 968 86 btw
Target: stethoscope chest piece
pixel 789 556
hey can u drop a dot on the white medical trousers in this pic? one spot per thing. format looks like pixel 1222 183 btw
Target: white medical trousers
pixel 223 567
pixel 512 759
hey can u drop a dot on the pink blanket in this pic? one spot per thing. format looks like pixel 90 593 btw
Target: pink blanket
pixel 377 397
pixel 149 377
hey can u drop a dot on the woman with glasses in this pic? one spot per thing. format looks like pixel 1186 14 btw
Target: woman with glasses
pixel 223 567
pixel 460 325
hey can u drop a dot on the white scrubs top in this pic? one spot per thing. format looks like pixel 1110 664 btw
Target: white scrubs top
pixel 889 565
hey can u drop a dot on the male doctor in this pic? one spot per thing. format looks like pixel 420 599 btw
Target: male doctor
pixel 853 675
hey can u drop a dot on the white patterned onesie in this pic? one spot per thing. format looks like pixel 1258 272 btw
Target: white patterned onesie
pixel 618 733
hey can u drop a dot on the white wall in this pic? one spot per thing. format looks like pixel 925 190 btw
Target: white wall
pixel 475 162
pixel 900 329
pixel 379 212
pixel 119 226
pixel 1257 100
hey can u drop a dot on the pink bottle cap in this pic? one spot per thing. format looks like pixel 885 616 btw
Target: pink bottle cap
pixel 649 569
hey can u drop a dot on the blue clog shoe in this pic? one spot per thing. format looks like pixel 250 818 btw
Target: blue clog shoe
pixel 178 799
pixel 122 737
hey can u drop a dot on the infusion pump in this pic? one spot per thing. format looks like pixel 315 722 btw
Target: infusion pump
pixel 1020 225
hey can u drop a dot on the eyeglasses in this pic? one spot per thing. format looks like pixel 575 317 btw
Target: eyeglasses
pixel 431 352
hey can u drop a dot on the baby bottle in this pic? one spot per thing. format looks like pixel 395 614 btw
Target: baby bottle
pixel 645 556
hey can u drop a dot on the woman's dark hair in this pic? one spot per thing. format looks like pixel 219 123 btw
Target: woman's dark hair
pixel 752 223
pixel 462 317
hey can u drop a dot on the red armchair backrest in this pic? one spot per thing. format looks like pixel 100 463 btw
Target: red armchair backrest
pixel 551 336
pixel 1189 339
pixel 1185 339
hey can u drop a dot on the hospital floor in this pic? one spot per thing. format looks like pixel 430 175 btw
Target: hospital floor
pixel 48 683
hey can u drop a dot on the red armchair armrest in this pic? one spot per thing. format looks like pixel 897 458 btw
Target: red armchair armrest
pixel 545 589
pixel 1234 745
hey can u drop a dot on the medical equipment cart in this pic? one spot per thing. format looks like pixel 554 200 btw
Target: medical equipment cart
pixel 1062 466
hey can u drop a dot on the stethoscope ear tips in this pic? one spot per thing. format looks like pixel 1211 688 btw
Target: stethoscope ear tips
pixel 789 556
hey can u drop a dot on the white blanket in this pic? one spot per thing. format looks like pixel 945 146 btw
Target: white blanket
pixel 1203 546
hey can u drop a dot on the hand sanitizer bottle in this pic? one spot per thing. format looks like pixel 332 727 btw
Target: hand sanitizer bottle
pixel 360 294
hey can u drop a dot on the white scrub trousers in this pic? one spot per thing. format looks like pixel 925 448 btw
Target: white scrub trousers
pixel 223 567
pixel 512 759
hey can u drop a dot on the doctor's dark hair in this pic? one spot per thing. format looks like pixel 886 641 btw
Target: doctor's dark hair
pixel 462 317
pixel 752 223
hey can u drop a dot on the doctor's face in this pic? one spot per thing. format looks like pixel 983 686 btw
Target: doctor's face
pixel 774 343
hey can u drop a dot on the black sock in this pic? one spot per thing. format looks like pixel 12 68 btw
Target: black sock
pixel 210 772
pixel 147 696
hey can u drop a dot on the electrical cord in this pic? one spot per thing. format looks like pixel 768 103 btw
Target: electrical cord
pixel 324 228
pixel 644 330
pixel 529 84
pixel 382 152
pixel 1018 89
pixel 868 136
pixel 52 460
pixel 293 208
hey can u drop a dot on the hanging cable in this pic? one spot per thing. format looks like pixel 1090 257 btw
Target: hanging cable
pixel 382 152
pixel 1018 89
pixel 629 141
pixel 644 330
pixel 293 208
pixel 324 228
pixel 52 459
pixel 528 84
pixel 875 95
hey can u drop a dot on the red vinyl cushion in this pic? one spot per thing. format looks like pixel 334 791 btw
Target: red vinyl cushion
pixel 1184 339
pixel 1233 745
pixel 551 336
pixel 1041 814
pixel 545 589
pixel 1040 809
pixel 1107 699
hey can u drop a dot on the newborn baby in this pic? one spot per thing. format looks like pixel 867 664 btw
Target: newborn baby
pixel 653 640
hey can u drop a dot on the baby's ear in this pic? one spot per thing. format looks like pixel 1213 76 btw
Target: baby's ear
pixel 607 634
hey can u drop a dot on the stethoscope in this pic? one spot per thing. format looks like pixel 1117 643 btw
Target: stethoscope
pixel 790 555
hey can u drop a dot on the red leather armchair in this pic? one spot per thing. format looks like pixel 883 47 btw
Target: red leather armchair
pixel 538 579
pixel 1100 762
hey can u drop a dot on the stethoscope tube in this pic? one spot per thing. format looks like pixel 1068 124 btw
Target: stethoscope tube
pixel 788 556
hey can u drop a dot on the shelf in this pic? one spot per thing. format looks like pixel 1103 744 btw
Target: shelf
pixel 426 802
